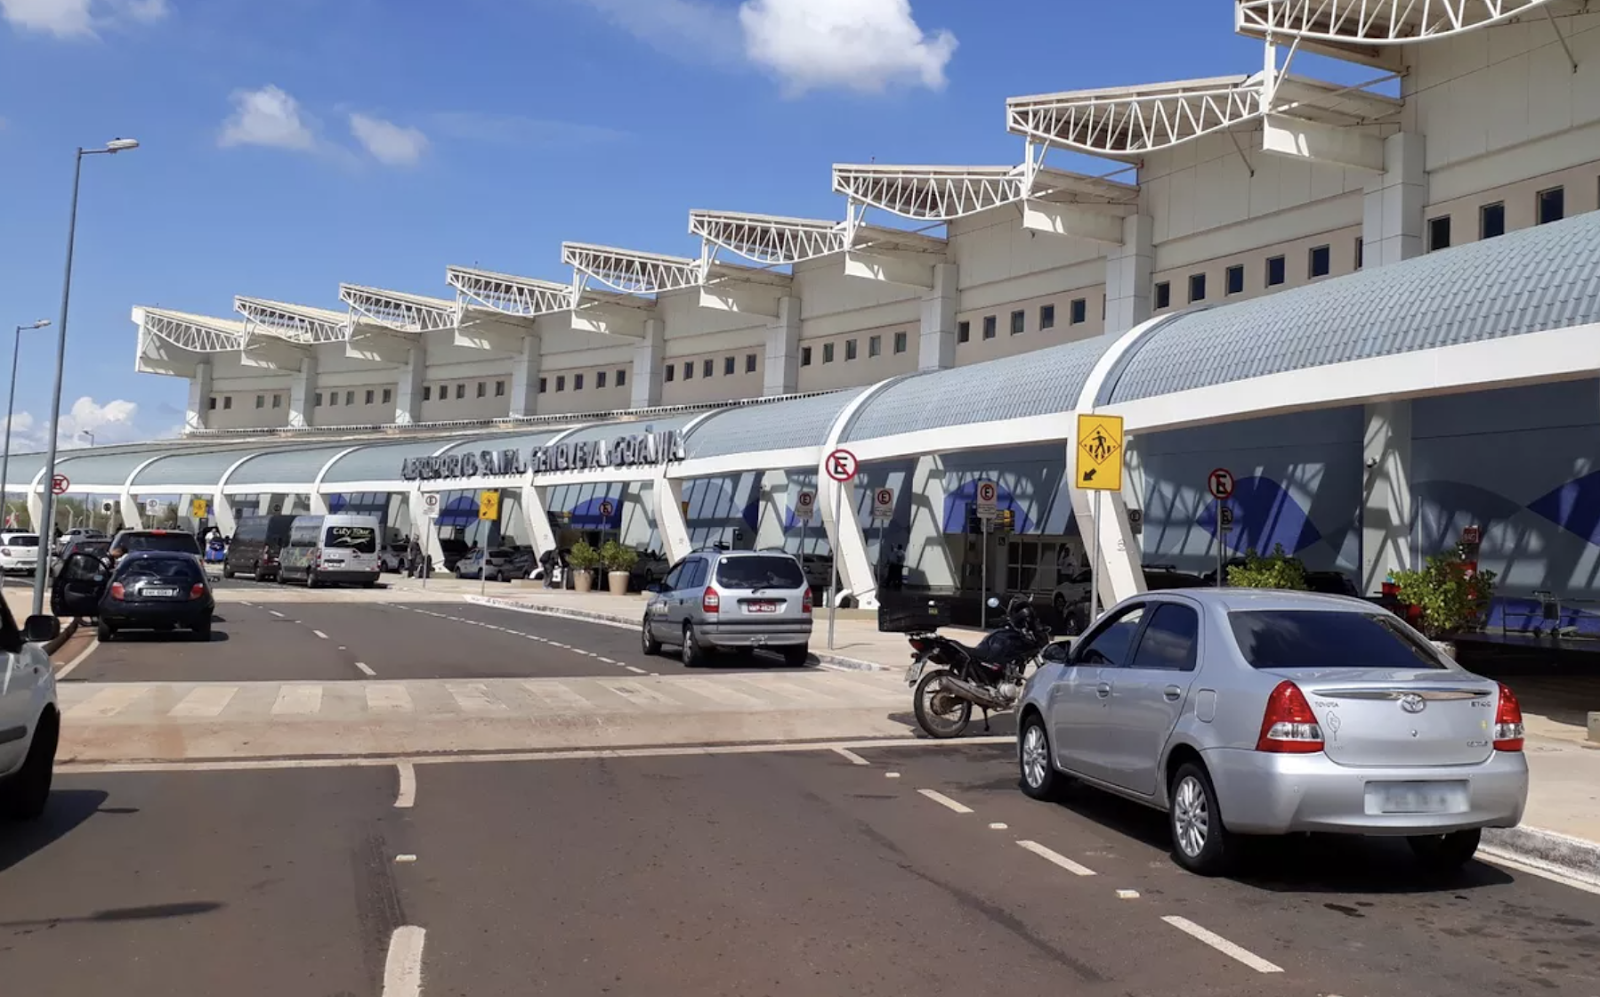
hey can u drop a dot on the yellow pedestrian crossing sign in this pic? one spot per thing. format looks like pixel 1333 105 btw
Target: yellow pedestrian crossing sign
pixel 1099 453
pixel 199 508
pixel 489 505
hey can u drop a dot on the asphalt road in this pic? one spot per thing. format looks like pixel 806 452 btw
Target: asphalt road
pixel 774 873
pixel 305 641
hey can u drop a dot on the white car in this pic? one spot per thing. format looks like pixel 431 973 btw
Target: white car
pixel 19 553
pixel 30 720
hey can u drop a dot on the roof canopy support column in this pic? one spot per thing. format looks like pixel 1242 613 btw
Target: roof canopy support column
pixel 303 393
pixel 936 345
pixel 525 376
pixel 408 390
pixel 536 516
pixel 1396 202
pixel 648 358
pixel 1386 508
pixel 671 524
pixel 782 373
pixel 1130 269
pixel 199 397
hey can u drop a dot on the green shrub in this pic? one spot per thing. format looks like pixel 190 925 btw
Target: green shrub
pixel 616 557
pixel 1451 600
pixel 583 557
pixel 1277 571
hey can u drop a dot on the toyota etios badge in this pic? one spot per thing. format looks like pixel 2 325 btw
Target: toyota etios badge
pixel 1413 703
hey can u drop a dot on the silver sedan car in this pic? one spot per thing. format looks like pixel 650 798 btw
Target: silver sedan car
pixel 1243 712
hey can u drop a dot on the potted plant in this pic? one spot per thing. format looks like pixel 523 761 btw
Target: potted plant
pixel 619 562
pixel 583 559
pixel 1276 571
pixel 1449 597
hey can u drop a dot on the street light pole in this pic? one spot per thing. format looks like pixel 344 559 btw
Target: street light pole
pixel 11 409
pixel 47 525
pixel 89 433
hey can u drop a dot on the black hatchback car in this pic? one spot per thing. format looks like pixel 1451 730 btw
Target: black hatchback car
pixel 144 590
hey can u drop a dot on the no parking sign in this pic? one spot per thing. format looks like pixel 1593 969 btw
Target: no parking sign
pixel 805 507
pixel 883 503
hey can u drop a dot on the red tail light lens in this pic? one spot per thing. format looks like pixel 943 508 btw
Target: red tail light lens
pixel 805 603
pixel 711 602
pixel 918 645
pixel 117 591
pixel 1508 722
pixel 1289 727
pixel 197 590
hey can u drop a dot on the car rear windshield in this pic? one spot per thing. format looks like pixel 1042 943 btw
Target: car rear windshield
pixel 760 572
pixel 166 569
pixel 23 541
pixel 361 539
pixel 1309 638
pixel 178 543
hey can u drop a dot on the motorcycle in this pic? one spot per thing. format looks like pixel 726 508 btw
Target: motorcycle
pixel 989 676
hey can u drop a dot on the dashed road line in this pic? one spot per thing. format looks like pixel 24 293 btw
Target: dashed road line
pixel 1222 945
pixel 1056 858
pixel 997 826
pixel 405 859
pixel 607 660
pixel 274 612
pixel 945 801
pixel 320 634
pixel 850 756
pixel 1127 894
pixel 406 797
pixel 402 969
pixel 366 669
pixel 636 671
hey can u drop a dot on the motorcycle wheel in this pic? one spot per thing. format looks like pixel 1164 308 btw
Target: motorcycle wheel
pixel 940 714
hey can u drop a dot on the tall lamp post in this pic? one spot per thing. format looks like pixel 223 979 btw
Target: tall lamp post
pixel 47 522
pixel 90 434
pixel 11 408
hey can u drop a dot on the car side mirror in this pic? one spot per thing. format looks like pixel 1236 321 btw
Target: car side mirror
pixel 41 629
pixel 994 603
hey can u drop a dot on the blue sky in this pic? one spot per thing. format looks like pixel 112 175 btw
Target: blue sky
pixel 291 145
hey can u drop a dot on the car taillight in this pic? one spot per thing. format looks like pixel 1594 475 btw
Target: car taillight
pixel 805 603
pixel 1289 726
pixel 197 590
pixel 711 602
pixel 1508 722
pixel 117 590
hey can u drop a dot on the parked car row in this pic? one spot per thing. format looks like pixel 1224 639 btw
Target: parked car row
pixel 311 550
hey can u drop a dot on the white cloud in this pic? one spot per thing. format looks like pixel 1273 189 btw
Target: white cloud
pixel 116 421
pixel 389 143
pixel 692 30
pixel 268 117
pixel 865 45
pixel 79 18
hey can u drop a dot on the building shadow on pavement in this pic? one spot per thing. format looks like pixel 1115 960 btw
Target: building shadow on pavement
pixel 67 809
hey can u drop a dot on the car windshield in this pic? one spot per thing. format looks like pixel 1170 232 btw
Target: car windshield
pixel 23 540
pixel 1309 638
pixel 361 539
pixel 178 543
pixel 760 572
pixel 164 569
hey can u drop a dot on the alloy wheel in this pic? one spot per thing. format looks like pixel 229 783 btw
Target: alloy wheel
pixel 1034 756
pixel 1191 816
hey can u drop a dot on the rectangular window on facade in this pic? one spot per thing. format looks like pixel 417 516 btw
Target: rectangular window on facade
pixel 499 389
pixel 561 382
pixel 874 346
pixel 963 331
pixel 1552 205
pixel 990 325
pixel 827 353
pixel 370 396
pixel 688 369
pixel 1163 295
pixel 461 391
pixel 899 342
pixel 483 389
pixel 1197 287
pixel 1019 322
pixel 708 368
pixel 1492 220
pixel 1236 279
pixel 388 395
pixel 849 349
pixel 1438 233
pixel 212 405
pixel 1361 252
pixel 227 402
pixel 805 356
pixel 1047 317
pixel 1080 311
pixel 727 366
pixel 1320 262
pixel 749 363
pixel 599 379
pixel 261 401
pixel 1277 271
pixel 544 385
pixel 622 378
pixel 577 382
pixel 672 371
pixel 349 397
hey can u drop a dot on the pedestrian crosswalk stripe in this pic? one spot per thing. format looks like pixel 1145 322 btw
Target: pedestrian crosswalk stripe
pixel 107 702
pixel 717 693
pixel 634 692
pixel 205 701
pixel 557 696
pixel 298 700
pixel 474 698
pixel 388 699
pixel 800 694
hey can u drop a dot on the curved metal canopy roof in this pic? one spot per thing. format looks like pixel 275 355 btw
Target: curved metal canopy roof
pixel 1367 23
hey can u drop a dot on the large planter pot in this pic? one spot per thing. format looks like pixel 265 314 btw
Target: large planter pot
pixel 582 580
pixel 618 582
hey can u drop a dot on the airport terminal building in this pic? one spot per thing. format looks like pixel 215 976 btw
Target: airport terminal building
pixel 1375 305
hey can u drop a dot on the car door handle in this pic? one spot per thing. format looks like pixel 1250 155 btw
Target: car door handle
pixel 1172 693
pixel 1104 690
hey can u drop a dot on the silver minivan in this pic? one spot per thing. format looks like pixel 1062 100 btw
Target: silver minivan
pixel 730 600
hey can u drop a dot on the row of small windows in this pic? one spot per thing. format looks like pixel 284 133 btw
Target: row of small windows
pixel 600 379
pixel 708 367
pixel 1319 263
pixel 1548 206
pixel 461 391
pixel 874 349
pixel 369 397
pixel 1077 314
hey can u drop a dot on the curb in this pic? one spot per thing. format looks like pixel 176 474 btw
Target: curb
pixel 1547 851
pixel 622 622
pixel 67 631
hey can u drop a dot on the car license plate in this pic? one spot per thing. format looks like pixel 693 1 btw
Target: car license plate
pixel 915 671
pixel 160 592
pixel 1416 797
pixel 762 607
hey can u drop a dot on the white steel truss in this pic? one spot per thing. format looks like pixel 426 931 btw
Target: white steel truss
pixel 768 239
pixel 295 323
pixel 632 272
pixel 401 312
pixel 931 193
pixel 524 297
pixel 195 333
pixel 1132 121
pixel 1374 22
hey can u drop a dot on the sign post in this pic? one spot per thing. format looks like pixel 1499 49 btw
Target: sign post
pixel 988 505
pixel 882 512
pixel 842 467
pixel 1099 470
pixel 1220 484
pixel 488 511
pixel 607 510
pixel 805 510
pixel 430 511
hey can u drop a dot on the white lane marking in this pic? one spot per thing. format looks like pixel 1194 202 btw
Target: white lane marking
pixel 1221 944
pixel 75 662
pixel 997 827
pixel 607 660
pixel 402 970
pixel 319 633
pixel 474 698
pixel 1127 894
pixel 636 671
pixel 107 702
pixel 564 647
pixel 851 756
pixel 557 696
pixel 406 797
pixel 206 701
pixel 298 699
pixel 274 612
pixel 405 858
pixel 891 775
pixel 343 648
pixel 388 699
pixel 1050 855
pixel 945 801
pixel 366 669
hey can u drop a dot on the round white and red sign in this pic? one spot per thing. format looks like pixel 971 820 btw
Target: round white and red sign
pixel 1220 483
pixel 841 465
pixel 59 484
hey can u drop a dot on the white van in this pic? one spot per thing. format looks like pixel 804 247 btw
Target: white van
pixel 330 550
